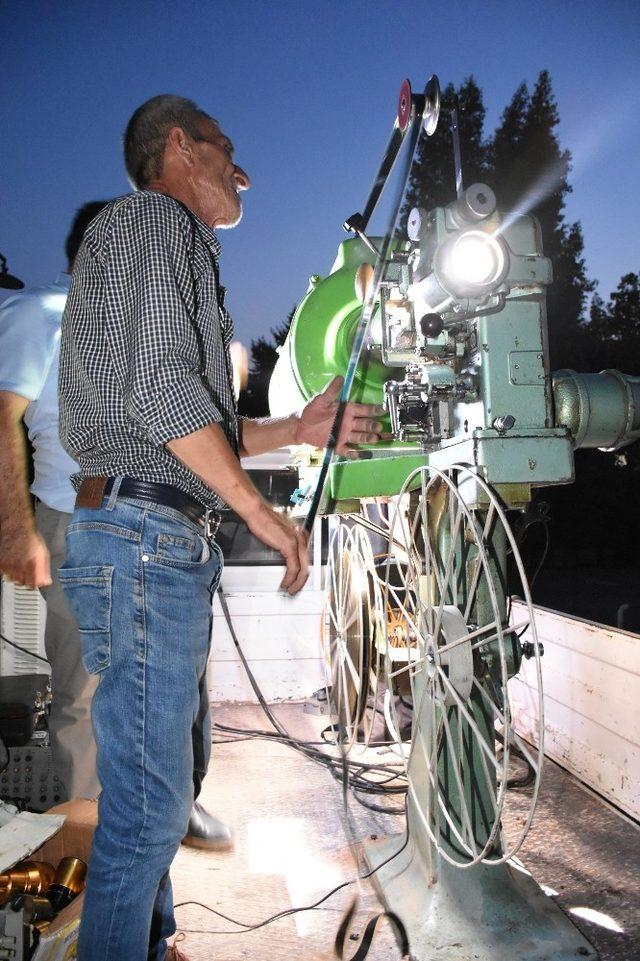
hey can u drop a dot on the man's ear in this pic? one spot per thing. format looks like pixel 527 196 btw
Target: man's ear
pixel 180 146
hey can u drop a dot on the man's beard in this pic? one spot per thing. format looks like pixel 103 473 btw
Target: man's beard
pixel 233 223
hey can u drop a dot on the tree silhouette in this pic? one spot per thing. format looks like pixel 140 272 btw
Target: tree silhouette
pixel 528 171
pixel 433 181
pixel 613 329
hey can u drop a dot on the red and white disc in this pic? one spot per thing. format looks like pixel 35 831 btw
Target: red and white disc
pixel 404 105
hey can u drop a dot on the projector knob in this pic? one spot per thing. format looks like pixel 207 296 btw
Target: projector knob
pixel 431 325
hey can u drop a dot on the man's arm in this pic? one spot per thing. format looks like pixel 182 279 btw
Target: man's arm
pixel 312 425
pixel 155 354
pixel 208 454
pixel 24 557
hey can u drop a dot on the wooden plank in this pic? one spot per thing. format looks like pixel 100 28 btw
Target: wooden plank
pixel 278 679
pixel 270 603
pixel 591 678
pixel 268 638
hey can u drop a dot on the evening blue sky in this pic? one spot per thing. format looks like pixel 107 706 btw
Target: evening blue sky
pixel 307 91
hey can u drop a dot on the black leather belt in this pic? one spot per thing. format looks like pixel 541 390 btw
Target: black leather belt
pixel 94 489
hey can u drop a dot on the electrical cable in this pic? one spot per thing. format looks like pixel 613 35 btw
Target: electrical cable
pixel 544 520
pixel 529 777
pixel 289 911
pixel 358 767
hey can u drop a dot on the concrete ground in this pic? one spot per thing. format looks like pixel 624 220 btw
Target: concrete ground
pixel 291 849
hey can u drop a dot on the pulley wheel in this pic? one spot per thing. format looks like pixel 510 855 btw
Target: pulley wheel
pixel 404 105
pixel 431 111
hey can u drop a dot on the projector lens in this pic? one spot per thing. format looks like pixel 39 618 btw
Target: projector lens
pixel 474 261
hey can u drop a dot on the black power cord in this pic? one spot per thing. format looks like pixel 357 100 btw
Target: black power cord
pixel 529 777
pixel 289 911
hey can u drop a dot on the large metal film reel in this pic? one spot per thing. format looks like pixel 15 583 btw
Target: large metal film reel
pixel 446 579
pixel 350 629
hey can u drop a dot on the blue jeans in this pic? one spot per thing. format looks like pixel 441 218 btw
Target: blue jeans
pixel 139 579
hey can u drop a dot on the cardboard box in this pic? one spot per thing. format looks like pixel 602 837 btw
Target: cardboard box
pixel 73 839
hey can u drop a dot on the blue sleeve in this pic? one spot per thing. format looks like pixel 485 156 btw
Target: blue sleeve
pixel 25 345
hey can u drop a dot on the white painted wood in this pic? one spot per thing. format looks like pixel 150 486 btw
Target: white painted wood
pixel 268 638
pixel 270 603
pixel 278 680
pixel 591 679
pixel 280 637
pixel 263 579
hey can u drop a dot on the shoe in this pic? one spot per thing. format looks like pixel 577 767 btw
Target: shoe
pixel 174 953
pixel 206 831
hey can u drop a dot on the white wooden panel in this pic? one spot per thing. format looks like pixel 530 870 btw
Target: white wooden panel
pixel 253 602
pixel 591 678
pixel 278 680
pixel 279 636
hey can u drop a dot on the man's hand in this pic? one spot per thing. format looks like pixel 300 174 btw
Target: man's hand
pixel 208 454
pixel 359 423
pixel 24 557
pixel 291 541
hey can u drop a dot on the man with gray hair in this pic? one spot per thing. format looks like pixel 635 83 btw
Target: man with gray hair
pixel 148 412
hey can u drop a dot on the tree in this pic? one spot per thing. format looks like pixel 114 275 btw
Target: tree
pixel 613 328
pixel 528 172
pixel 433 181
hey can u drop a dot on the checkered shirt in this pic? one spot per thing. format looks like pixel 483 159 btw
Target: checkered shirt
pixel 144 354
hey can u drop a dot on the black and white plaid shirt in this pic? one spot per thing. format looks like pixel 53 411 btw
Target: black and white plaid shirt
pixel 144 355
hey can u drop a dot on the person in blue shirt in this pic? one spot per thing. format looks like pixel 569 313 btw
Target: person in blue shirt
pixel 32 544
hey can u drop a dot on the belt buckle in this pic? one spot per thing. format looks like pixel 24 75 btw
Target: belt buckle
pixel 211 523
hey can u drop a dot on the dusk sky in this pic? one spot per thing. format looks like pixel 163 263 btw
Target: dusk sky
pixel 307 91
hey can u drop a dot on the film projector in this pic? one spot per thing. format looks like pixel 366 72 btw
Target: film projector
pixel 446 327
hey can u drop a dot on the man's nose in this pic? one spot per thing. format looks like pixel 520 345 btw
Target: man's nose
pixel 241 178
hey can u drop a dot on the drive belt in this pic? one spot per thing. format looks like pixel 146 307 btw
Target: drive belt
pixel 414 112
pixel 369 931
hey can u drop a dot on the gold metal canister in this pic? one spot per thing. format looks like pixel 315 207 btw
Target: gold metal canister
pixel 27 877
pixel 70 874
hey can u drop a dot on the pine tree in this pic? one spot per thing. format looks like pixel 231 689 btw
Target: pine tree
pixel 505 160
pixel 624 309
pixel 528 172
pixel 613 328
